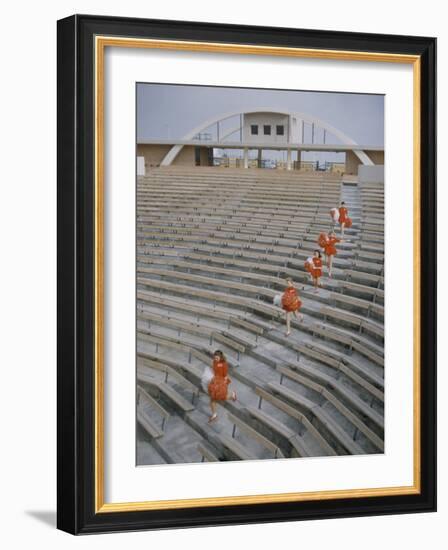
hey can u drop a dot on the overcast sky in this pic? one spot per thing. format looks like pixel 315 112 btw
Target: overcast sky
pixel 170 111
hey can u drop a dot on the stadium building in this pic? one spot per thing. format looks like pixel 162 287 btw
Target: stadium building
pixel 248 139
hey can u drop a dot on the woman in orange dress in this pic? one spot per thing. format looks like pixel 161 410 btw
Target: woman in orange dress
pixel 330 250
pixel 343 215
pixel 322 241
pixel 317 269
pixel 291 304
pixel 218 388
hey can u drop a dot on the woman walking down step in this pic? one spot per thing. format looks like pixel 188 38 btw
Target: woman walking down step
pixel 316 271
pixel 291 304
pixel 218 388
pixel 322 241
pixel 330 251
pixel 343 218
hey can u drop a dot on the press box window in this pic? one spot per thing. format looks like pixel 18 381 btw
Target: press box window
pixel 267 130
pixel 280 130
pixel 254 129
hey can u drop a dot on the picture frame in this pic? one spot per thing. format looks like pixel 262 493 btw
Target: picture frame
pixel 82 41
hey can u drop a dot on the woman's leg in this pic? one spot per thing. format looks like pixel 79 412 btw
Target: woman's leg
pixel 213 409
pixel 288 323
pixel 330 265
pixel 342 228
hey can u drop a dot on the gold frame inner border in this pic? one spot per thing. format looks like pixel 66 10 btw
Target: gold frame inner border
pixel 101 42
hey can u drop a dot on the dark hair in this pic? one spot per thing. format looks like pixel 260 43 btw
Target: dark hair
pixel 318 251
pixel 220 353
pixel 342 202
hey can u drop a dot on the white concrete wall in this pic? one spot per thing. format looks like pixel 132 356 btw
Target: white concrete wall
pixel 140 166
pixel 295 130
pixel 371 174
pixel 273 119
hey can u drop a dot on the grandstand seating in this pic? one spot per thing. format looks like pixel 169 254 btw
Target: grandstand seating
pixel 213 249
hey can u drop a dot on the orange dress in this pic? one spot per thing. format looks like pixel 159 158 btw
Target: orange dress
pixel 290 300
pixel 343 214
pixel 217 389
pixel 330 249
pixel 317 267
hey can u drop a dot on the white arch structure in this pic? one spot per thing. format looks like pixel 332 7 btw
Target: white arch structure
pixel 346 140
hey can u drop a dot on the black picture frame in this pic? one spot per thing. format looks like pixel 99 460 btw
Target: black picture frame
pixel 76 256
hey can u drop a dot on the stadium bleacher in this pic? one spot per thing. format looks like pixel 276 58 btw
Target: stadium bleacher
pixel 214 247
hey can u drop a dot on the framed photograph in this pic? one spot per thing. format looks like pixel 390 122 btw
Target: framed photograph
pixel 246 274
